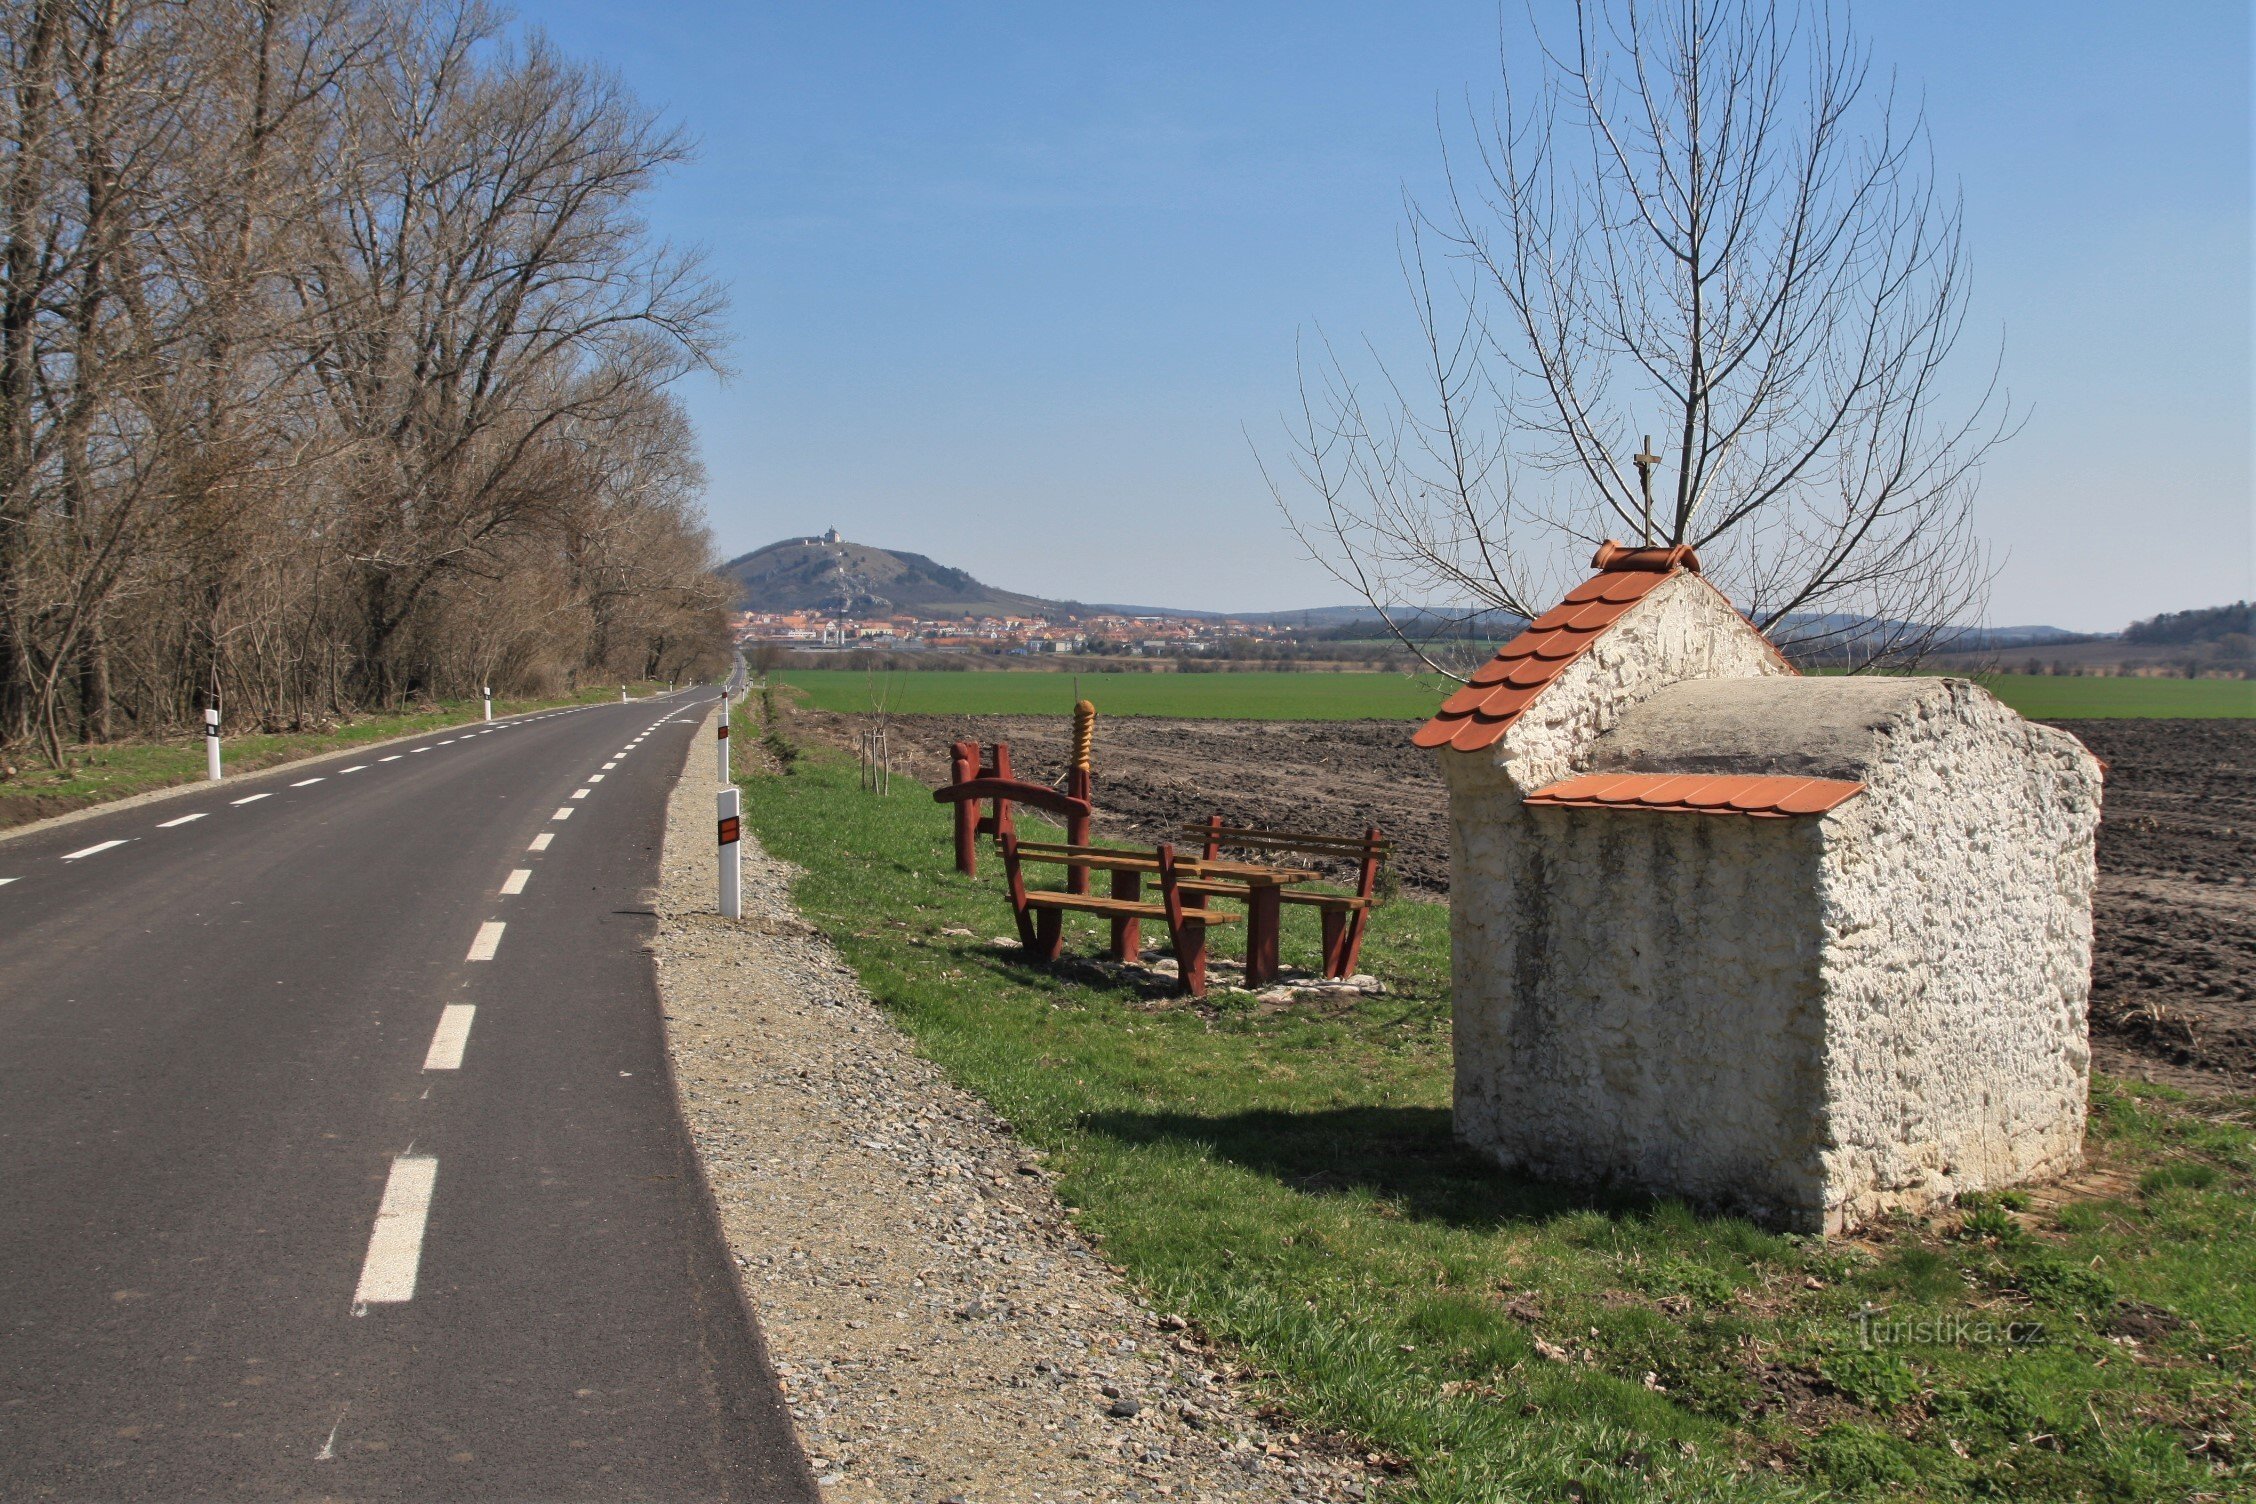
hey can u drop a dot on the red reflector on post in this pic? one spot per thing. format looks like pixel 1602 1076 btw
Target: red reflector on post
pixel 722 733
pixel 731 830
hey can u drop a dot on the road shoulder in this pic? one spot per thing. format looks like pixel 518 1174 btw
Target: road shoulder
pixel 939 1326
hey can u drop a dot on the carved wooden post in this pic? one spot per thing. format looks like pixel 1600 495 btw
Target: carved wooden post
pixel 963 764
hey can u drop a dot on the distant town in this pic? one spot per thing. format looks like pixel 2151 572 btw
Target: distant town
pixel 1155 636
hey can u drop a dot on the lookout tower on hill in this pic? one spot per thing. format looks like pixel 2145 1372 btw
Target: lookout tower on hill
pixel 1812 947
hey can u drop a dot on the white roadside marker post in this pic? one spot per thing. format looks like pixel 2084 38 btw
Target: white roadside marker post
pixel 622 694
pixel 732 867
pixel 720 740
pixel 489 702
pixel 211 742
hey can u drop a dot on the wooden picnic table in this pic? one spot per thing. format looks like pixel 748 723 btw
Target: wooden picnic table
pixel 1262 883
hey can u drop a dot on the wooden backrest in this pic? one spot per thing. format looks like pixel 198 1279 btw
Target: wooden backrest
pixel 1367 851
pixel 1345 848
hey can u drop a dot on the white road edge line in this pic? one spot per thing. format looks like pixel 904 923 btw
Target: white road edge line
pixel 451 1038
pixel 395 1246
pixel 517 880
pixel 488 941
pixel 540 842
pixel 255 798
pixel 183 820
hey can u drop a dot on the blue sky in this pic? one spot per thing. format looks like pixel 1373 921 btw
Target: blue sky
pixel 1011 282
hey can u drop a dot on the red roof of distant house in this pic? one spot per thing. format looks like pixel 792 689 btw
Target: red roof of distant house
pixel 1475 716
pixel 1762 796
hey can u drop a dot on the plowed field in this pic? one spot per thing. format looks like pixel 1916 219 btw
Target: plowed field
pixel 2174 974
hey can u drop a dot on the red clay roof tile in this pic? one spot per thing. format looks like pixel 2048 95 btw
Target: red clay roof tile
pixel 1478 714
pixel 1761 795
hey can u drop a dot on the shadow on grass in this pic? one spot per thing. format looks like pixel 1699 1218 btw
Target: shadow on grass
pixel 1406 1155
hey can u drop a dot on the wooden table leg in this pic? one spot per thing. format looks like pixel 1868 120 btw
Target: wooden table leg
pixel 1264 910
pixel 1127 934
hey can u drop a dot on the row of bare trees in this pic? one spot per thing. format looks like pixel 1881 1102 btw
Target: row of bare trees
pixel 334 367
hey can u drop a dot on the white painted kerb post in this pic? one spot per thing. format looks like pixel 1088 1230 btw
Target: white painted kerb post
pixel 720 741
pixel 489 702
pixel 211 742
pixel 732 867
pixel 622 694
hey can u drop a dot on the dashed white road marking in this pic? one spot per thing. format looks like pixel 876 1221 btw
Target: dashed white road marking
pixel 595 777
pixel 395 757
pixel 517 880
pixel 358 767
pixel 183 820
pixel 488 941
pixel 4 881
pixel 413 750
pixel 395 1247
pixel 581 793
pixel 253 799
pixel 308 782
pixel 614 762
pixel 540 842
pixel 94 850
pixel 451 1038
pixel 562 814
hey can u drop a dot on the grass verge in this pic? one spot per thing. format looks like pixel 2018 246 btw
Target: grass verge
pixel 1387 696
pixel 116 770
pixel 1285 1177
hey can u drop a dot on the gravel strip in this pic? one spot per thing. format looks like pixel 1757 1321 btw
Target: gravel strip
pixel 941 1330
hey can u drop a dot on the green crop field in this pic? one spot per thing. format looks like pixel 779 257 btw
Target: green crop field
pixel 1253 697
pixel 1354 697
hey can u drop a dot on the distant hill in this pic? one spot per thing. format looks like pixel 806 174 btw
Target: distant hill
pixel 853 579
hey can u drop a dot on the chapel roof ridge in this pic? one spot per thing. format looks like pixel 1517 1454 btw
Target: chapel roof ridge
pixel 1477 715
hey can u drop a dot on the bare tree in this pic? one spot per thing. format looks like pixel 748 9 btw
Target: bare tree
pixel 1709 221
pixel 333 367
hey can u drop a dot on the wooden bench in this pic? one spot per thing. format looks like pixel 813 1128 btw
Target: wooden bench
pixel 1041 912
pixel 1344 915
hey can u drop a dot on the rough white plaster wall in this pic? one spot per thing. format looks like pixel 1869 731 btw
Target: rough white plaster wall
pixel 1571 956
pixel 1816 1019
pixel 1957 967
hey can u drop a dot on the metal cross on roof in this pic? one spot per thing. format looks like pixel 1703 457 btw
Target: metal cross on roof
pixel 1645 459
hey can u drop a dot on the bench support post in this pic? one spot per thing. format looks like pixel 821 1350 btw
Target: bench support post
pixel 1366 882
pixel 1127 933
pixel 1335 942
pixel 1049 934
pixel 1264 916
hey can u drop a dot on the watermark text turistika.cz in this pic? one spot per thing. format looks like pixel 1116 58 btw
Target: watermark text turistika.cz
pixel 1878 1328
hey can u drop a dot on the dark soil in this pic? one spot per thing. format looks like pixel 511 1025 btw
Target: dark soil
pixel 2174 959
pixel 2174 964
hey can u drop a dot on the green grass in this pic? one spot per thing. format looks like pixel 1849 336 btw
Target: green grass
pixel 1388 696
pixel 1286 1178
pixel 116 770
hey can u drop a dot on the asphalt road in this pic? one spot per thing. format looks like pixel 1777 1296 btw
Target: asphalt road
pixel 338 1152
